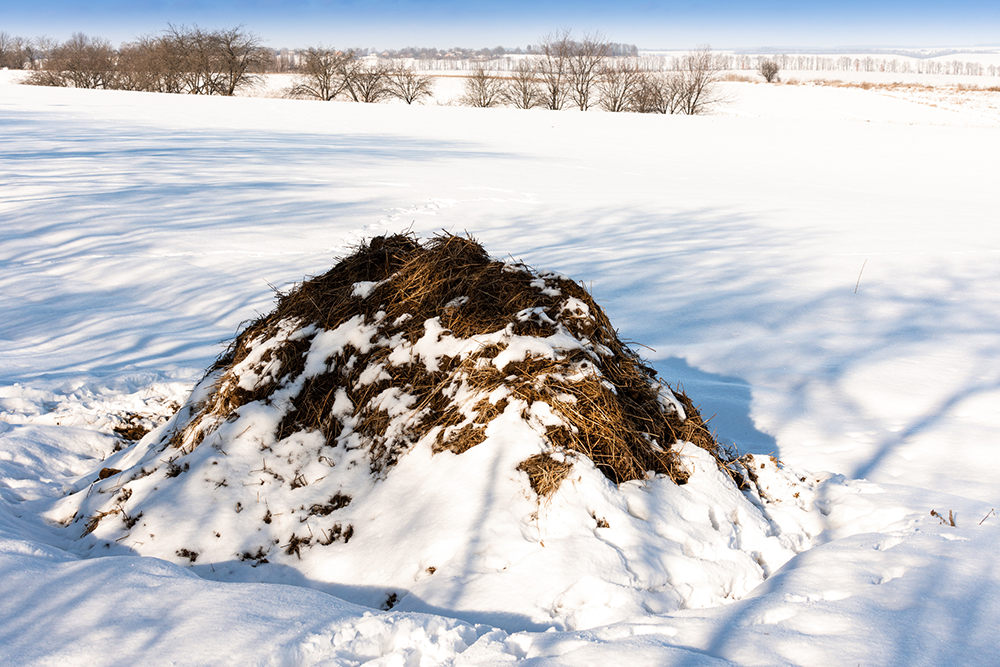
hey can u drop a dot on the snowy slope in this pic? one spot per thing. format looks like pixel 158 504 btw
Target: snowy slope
pixel 823 281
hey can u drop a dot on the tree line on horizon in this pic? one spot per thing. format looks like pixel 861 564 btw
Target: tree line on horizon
pixel 43 53
pixel 567 73
pixel 179 60
pixel 19 53
pixel 869 63
pixel 559 72
pixel 615 49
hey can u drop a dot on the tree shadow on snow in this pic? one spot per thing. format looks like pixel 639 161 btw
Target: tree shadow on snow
pixel 724 401
pixel 119 238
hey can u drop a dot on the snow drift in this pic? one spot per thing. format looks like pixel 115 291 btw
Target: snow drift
pixel 426 428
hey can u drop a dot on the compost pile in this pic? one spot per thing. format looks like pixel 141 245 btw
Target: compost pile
pixel 391 400
pixel 409 298
pixel 373 316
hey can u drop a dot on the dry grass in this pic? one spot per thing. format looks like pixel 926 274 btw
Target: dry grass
pixel 974 88
pixel 608 400
pixel 545 473
pixel 892 86
pixel 739 78
pixel 131 427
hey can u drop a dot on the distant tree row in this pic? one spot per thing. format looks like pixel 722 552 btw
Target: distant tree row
pixel 563 73
pixel 844 63
pixel 458 53
pixel 30 54
pixel 181 60
pixel 583 74
pixel 327 74
pixel 559 72
pixel 123 67
pixel 21 53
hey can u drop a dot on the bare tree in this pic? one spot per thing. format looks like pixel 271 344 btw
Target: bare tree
pixel 407 85
pixel 483 89
pixel 698 81
pixel 523 90
pixel 619 85
pixel 80 62
pixel 659 91
pixel 322 73
pixel 20 53
pixel 769 70
pixel 654 93
pixel 647 97
pixel 10 52
pixel 367 80
pixel 181 60
pixel 168 63
pixel 138 67
pixel 239 55
pixel 195 52
pixel 153 63
pixel 554 68
pixel 585 60
pixel 37 51
pixel 218 62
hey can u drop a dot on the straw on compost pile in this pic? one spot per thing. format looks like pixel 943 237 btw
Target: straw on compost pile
pixel 383 391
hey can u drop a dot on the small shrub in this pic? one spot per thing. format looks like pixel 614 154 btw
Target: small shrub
pixel 769 70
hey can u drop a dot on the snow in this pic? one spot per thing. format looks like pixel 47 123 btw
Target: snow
pixel 816 266
pixel 898 104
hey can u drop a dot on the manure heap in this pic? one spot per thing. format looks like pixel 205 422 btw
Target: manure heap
pixel 425 428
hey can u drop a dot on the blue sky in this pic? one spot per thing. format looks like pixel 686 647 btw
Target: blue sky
pixel 445 23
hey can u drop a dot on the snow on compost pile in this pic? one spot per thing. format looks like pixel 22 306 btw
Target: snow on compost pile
pixel 129 405
pixel 428 429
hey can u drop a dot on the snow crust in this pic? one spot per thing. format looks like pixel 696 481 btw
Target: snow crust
pixel 823 281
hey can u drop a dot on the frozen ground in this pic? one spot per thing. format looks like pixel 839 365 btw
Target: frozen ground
pixel 817 267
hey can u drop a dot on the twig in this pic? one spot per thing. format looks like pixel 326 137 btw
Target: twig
pixel 632 342
pixel 950 521
pixel 859 276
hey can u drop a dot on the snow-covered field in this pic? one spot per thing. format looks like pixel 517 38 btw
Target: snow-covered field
pixel 817 266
